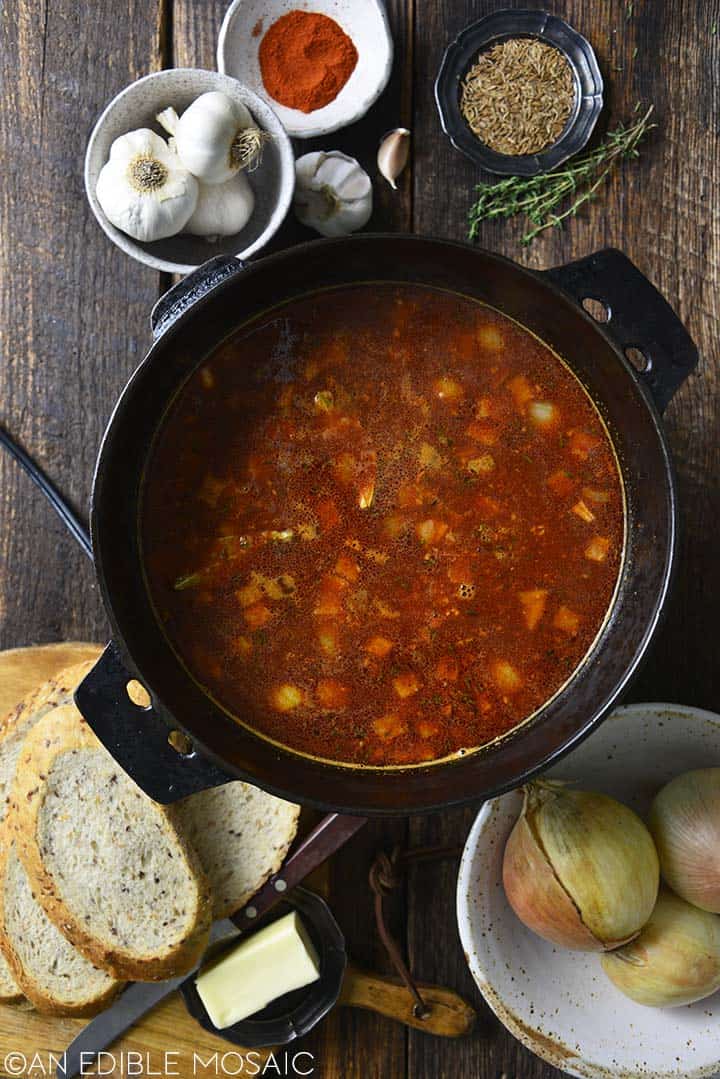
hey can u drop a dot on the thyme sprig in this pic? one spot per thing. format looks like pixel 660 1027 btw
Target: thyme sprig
pixel 538 197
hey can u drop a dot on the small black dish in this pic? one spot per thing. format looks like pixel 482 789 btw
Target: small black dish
pixel 294 1014
pixel 492 30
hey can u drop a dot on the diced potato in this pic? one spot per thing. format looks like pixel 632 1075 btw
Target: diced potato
pixel 533 605
pixel 506 677
pixel 345 467
pixel 543 413
pixel 429 457
pixel 347 568
pixel 286 697
pixel 596 496
pixel 207 378
pixel 243 646
pixel 447 389
pixel 426 729
pixel 431 530
pixel 257 615
pixel 561 483
pixel 566 620
pixel 329 601
pixel 521 390
pixel 327 635
pixel 583 511
pixel 597 549
pixel 407 684
pixel 447 669
pixel 490 337
pixel 484 433
pixel 394 526
pixel 327 514
pixel 332 694
pixel 582 444
pixel 480 465
pixel 379 646
pixel 390 726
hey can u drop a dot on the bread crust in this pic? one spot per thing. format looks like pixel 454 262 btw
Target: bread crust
pixel 62 731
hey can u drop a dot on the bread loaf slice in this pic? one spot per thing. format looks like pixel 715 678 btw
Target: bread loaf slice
pixel 242 836
pixel 52 974
pixel 13 729
pixel 106 863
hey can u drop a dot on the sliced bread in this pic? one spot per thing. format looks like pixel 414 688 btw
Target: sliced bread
pixel 107 864
pixel 242 836
pixel 52 974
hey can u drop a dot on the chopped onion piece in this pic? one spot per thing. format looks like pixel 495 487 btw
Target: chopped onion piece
pixel 533 605
pixel 405 685
pixel 447 389
pixel 388 727
pixel 379 646
pixel 583 512
pixel 506 677
pixel 478 465
pixel 566 620
pixel 286 697
pixel 597 549
pixel 543 413
pixel 592 494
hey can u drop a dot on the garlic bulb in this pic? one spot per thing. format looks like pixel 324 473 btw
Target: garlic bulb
pixel 580 869
pixel 393 154
pixel 215 137
pixel 333 194
pixel 144 189
pixel 222 209
pixel 685 824
pixel 674 961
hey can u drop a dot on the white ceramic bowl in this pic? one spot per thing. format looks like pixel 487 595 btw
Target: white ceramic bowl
pixel 559 1003
pixel 273 181
pixel 364 21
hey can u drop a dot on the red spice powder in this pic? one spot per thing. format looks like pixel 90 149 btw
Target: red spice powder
pixel 305 60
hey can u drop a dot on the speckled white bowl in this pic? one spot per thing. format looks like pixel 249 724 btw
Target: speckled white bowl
pixel 364 21
pixel 559 1003
pixel 273 181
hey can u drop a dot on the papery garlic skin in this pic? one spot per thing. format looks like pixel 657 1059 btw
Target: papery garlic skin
pixel 222 209
pixel 207 134
pixel 333 193
pixel 144 189
pixel 685 824
pixel 674 961
pixel 580 869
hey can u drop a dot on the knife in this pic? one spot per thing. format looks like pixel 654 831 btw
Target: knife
pixel 137 1000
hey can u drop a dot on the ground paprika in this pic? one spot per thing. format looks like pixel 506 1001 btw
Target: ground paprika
pixel 305 60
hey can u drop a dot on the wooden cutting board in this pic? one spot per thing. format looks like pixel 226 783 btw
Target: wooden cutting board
pixel 31 1044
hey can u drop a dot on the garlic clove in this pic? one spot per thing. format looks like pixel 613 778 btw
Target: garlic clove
pixel 595 851
pixel 333 193
pixel 222 209
pixel 393 153
pixel 685 824
pixel 674 961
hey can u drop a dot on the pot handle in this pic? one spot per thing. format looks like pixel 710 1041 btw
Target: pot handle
pixel 638 318
pixel 138 738
pixel 176 301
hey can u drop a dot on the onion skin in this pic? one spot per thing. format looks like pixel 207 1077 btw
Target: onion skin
pixel 580 869
pixel 685 824
pixel 674 961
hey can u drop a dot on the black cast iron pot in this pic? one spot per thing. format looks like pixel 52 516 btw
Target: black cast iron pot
pixel 199 314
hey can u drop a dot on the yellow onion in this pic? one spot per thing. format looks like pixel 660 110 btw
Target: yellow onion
pixel 675 960
pixel 685 823
pixel 580 869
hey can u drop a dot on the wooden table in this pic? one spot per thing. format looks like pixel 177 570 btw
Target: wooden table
pixel 75 324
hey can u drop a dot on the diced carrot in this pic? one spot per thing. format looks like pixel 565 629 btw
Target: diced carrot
pixel 490 337
pixel 327 514
pixel 447 389
pixel 482 432
pixel 390 726
pixel 447 669
pixel 426 729
pixel 379 646
pixel 347 568
pixel 583 511
pixel 327 635
pixel 561 483
pixel 405 685
pixel 521 390
pixel 566 620
pixel 329 601
pixel 257 615
pixel 431 530
pixel 597 549
pixel 506 677
pixel 582 444
pixel 533 605
pixel 332 694
pixel 286 697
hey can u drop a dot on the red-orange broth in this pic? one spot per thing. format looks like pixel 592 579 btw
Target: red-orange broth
pixel 383 524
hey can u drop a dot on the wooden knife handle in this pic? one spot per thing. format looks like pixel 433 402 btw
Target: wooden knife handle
pixel 450 1016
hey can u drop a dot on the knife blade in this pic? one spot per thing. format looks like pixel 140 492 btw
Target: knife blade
pixel 138 999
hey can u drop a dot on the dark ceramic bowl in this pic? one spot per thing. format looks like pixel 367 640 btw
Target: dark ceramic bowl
pixel 492 30
pixel 293 1014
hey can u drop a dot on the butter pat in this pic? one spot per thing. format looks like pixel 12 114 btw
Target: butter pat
pixel 274 961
